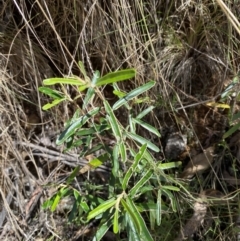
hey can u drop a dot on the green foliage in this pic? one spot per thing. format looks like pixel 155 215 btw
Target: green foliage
pixel 234 119
pixel 122 206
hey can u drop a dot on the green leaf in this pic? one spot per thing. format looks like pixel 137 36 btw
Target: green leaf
pixel 115 168
pixel 48 203
pixel 172 188
pixel 142 207
pixel 83 71
pixel 143 230
pixel 58 197
pixel 132 124
pixel 86 132
pixel 102 230
pixel 159 208
pixel 96 162
pixel 116 77
pixel 53 103
pixel 138 157
pixel 145 112
pixel 123 153
pixel 113 121
pixel 132 168
pixel 171 197
pixel 88 97
pixel 73 212
pixel 119 93
pixel 76 194
pixel 148 157
pixel 143 141
pixel 74 126
pixel 147 127
pixel 84 206
pixel 73 175
pixel 91 91
pixel 229 88
pixel 132 232
pixel 140 183
pixel 52 93
pixel 69 80
pixel 169 165
pixel 142 100
pixel 83 87
pixel 231 130
pixel 132 94
pixel 115 221
pixel 131 214
pixel 101 208
pixel 236 116
pixel 152 218
pixel 95 78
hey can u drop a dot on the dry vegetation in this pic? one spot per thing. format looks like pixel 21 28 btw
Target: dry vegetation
pixel 190 48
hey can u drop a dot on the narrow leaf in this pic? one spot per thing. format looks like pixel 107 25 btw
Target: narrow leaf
pixel 144 232
pixel 86 132
pixel 115 168
pixel 143 141
pixel 102 230
pixel 141 182
pixel 70 81
pixel 48 203
pixel 132 124
pixel 119 93
pixel 145 112
pixel 88 97
pixel 132 168
pixel 52 93
pixel 74 126
pixel 73 175
pixel 113 121
pixel 95 78
pixel 95 163
pixel 236 116
pixel 61 193
pixel 83 71
pixel 53 103
pixel 171 197
pixel 218 105
pixel 231 130
pixel 159 208
pixel 115 221
pixel 131 214
pixel 55 202
pixel 101 208
pixel 147 127
pixel 133 234
pixel 123 153
pixel 172 188
pixel 83 87
pixel 132 94
pixel 116 76
pixel 169 165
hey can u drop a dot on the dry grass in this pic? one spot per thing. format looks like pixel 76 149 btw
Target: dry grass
pixel 190 49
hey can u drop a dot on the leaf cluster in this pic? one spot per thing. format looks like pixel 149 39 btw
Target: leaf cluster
pixel 134 174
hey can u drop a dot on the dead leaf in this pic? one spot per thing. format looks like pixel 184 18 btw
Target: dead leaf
pixel 198 163
pixel 218 105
